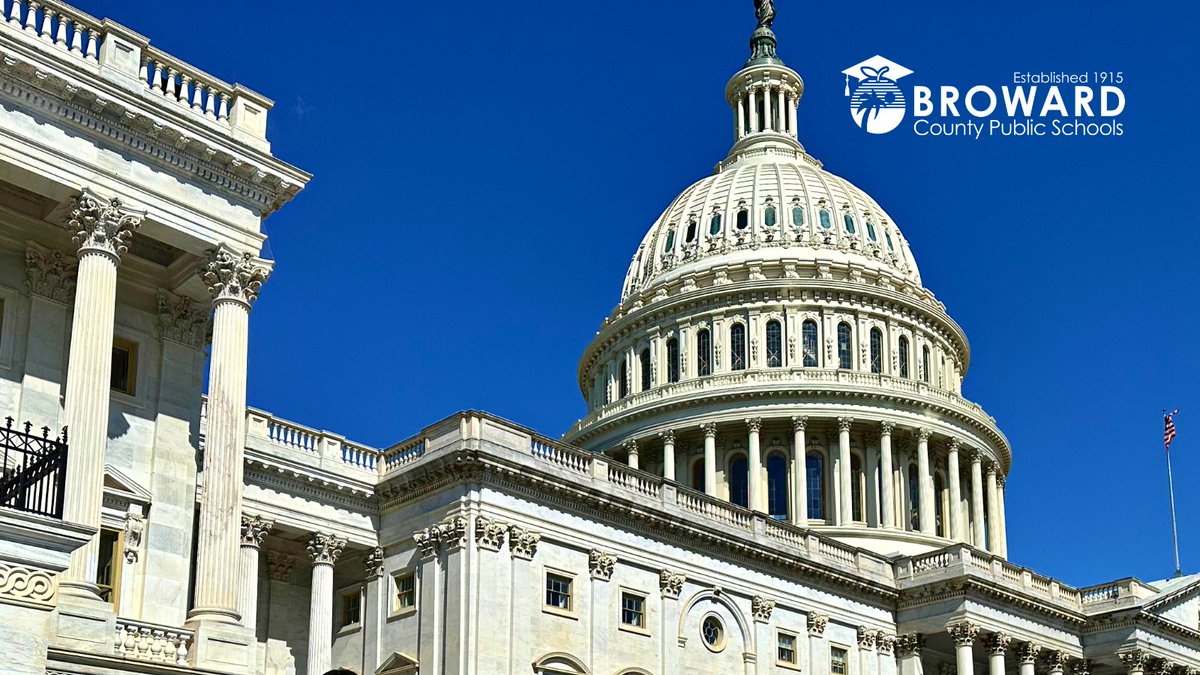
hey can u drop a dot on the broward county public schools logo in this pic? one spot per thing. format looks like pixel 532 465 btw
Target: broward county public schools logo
pixel 876 103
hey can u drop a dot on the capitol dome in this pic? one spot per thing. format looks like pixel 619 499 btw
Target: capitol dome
pixel 776 355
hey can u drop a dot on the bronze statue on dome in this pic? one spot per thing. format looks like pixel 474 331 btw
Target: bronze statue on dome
pixel 765 10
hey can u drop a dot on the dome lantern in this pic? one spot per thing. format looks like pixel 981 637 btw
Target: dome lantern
pixel 764 94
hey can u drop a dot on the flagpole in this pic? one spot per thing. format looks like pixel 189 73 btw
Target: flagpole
pixel 1171 490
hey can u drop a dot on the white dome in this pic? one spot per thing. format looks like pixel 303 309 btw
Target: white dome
pixel 756 180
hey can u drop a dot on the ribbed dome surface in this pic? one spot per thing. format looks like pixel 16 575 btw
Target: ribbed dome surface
pixel 704 226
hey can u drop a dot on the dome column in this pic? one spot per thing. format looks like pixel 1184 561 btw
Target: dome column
pixel 710 458
pixel 754 494
pixel 845 498
pixel 668 440
pixel 993 507
pixel 1002 530
pixel 977 499
pixel 631 454
pixel 871 471
pixel 888 500
pixel 768 119
pixel 954 479
pixel 800 473
pixel 791 109
pixel 753 111
pixel 924 482
pixel 780 111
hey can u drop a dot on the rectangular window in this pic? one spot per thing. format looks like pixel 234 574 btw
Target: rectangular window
pixel 406 592
pixel 351 608
pixel 786 648
pixel 837 661
pixel 558 591
pixel 108 567
pixel 633 609
pixel 124 366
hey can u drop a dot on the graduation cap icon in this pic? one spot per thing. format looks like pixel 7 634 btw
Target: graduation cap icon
pixel 875 69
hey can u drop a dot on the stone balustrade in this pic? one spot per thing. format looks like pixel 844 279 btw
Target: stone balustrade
pixel 962 560
pixel 151 642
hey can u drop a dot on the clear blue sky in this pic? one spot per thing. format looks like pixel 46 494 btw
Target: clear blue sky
pixel 485 170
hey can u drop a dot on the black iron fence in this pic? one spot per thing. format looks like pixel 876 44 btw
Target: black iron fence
pixel 34 470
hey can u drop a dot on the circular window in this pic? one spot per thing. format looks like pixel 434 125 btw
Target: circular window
pixel 713 633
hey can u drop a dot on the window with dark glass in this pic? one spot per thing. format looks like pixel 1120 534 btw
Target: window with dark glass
pixel 714 224
pixel 672 360
pixel 633 609
pixel 845 358
pixel 888 237
pixel 743 219
pixel 769 217
pixel 903 356
pixel 939 519
pixel 777 491
pixel 623 380
pixel 925 363
pixel 774 344
pixel 848 220
pixel 914 497
pixel 824 217
pixel 737 347
pixel 351 608
pixel 558 591
pixel 809 343
pixel 670 245
pixel 698 476
pixel 703 352
pixel 786 648
pixel 124 366
pixel 837 661
pixel 644 364
pixel 798 216
pixel 856 489
pixel 814 465
pixel 739 482
pixel 690 236
pixel 871 231
pixel 406 592
pixel 108 567
pixel 876 351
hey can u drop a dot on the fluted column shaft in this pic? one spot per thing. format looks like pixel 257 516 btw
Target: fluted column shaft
pixel 964 635
pixel 753 111
pixel 888 499
pixel 800 477
pixel 668 438
pixel 977 500
pixel 1002 529
pixel 954 478
pixel 710 459
pixel 993 507
pixel 925 482
pixel 792 105
pixel 234 282
pixel 254 530
pixel 754 493
pixel 324 550
pixel 101 228
pixel 845 496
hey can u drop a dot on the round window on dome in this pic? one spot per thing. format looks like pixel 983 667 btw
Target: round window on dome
pixel 825 222
pixel 871 231
pixel 712 631
pixel 848 221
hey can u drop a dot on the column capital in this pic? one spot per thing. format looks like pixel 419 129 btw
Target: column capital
pixel 817 623
pixel 1028 652
pixel 234 277
pixel 910 644
pixel 952 445
pixel 1000 480
pixel 667 436
pixel 522 543
pixel 844 423
pixel 181 320
pixel 923 433
pixel 670 583
pixel 100 225
pixel 709 429
pixel 630 446
pixel 1134 660
pixel 799 423
pixel 885 428
pixel 754 424
pixel 990 469
pixel 373 563
pixel 280 565
pixel 963 633
pixel 50 274
pixel 974 455
pixel 997 643
pixel 324 549
pixel 1055 660
pixel 885 644
pixel 761 608
pixel 601 564
pixel 866 638
pixel 254 530
pixel 1081 666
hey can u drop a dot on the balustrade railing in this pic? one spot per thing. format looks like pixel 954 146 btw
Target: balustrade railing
pixel 186 86
pixel 558 454
pixel 962 559
pixel 34 470
pixel 403 453
pixel 58 25
pixel 711 507
pixel 642 483
pixel 150 642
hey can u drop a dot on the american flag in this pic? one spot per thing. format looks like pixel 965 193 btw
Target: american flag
pixel 1169 427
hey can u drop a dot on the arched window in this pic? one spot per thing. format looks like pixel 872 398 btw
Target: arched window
pixel 857 479
pixel 777 494
pixel 903 356
pixel 914 497
pixel 888 237
pixel 774 344
pixel 769 216
pixel 814 465
pixel 876 351
pixel 703 352
pixel 809 334
pixel 623 380
pixel 925 363
pixel 672 360
pixel 698 475
pixel 691 230
pixel 845 359
pixel 743 219
pixel 670 245
pixel 737 347
pixel 798 216
pixel 739 482
pixel 939 508
pixel 824 217
pixel 644 359
pixel 714 224
pixel 871 231
pixel 848 221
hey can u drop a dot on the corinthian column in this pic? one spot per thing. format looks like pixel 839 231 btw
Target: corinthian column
pixel 925 482
pixel 102 229
pixel 668 439
pixel 754 494
pixel 964 635
pixel 234 281
pixel 997 646
pixel 887 499
pixel 953 479
pixel 254 530
pixel 710 458
pixel 845 495
pixel 324 550
pixel 800 477
pixel 993 524
pixel 1002 529
pixel 1028 653
pixel 977 499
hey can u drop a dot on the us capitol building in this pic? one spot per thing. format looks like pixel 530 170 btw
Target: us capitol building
pixel 777 471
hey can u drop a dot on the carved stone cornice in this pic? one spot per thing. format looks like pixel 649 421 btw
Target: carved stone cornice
pixel 817 623
pixel 325 549
pixel 489 533
pixel 181 320
pixel 963 633
pixel 761 608
pixel 997 643
pixel 910 644
pixel 373 563
pixel 601 564
pixel 670 583
pixel 100 225
pixel 50 274
pixel 522 543
pixel 866 638
pixel 234 277
pixel 255 530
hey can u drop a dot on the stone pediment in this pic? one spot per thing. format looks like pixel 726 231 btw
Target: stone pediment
pixel 398 664
pixel 120 488
pixel 1178 601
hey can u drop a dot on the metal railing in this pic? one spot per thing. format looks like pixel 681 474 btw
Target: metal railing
pixel 34 470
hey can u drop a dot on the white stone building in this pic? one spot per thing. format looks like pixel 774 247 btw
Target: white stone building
pixel 777 471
